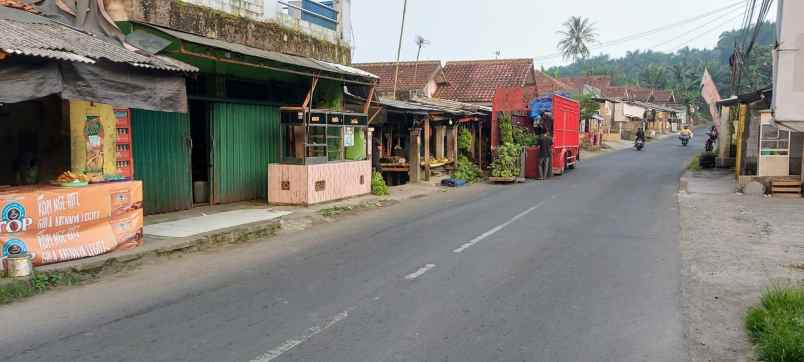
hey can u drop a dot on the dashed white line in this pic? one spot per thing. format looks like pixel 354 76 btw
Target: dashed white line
pixel 496 229
pixel 293 343
pixel 420 272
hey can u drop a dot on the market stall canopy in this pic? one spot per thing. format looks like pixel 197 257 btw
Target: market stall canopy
pixel 278 61
pixel 43 57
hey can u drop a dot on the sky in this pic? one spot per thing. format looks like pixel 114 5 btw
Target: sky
pixel 477 29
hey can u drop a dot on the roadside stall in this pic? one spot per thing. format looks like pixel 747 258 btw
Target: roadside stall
pixel 324 157
pixel 65 183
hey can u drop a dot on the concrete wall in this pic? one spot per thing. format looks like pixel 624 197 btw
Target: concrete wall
pixel 211 23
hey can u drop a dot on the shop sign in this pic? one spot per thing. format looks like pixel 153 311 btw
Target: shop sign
pixel 56 224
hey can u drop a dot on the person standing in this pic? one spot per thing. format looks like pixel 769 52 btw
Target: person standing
pixel 545 156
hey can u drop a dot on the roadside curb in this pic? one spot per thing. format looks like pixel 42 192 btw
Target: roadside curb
pixel 155 247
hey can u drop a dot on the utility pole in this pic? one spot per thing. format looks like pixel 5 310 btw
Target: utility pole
pixel 399 50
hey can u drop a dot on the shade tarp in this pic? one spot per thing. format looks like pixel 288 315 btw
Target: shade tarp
pixel 104 82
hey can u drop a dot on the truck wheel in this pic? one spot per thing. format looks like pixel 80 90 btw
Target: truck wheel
pixel 570 166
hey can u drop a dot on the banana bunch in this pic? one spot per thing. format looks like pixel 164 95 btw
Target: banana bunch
pixel 70 177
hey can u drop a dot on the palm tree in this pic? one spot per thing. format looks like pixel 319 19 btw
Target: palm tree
pixel 577 35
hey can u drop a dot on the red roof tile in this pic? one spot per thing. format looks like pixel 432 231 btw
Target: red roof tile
pixel 664 96
pixel 476 81
pixel 640 94
pixel 616 92
pixel 411 77
pixel 598 81
pixel 547 84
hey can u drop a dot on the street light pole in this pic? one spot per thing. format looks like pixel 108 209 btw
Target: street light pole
pixel 399 50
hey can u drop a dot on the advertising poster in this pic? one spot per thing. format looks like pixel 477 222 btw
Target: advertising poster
pixel 56 224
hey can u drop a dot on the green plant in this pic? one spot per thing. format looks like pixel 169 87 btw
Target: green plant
pixel 776 325
pixel 466 170
pixel 378 186
pixel 507 162
pixel 695 163
pixel 38 283
pixel 464 141
pixel 523 137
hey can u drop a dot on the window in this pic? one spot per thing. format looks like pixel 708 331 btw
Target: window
pixel 774 141
pixel 319 137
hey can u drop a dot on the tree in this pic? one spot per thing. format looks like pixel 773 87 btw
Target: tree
pixel 577 35
pixel 589 107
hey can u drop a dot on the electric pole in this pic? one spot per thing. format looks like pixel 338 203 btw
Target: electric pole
pixel 399 50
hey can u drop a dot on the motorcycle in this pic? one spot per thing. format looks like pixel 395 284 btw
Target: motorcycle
pixel 710 141
pixel 639 145
pixel 685 140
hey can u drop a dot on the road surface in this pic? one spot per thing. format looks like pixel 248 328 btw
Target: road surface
pixel 579 268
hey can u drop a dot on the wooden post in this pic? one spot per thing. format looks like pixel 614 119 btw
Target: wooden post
pixel 441 133
pixel 414 158
pixel 368 100
pixel 480 144
pixel 724 135
pixel 740 131
pixel 452 143
pixel 310 93
pixel 427 149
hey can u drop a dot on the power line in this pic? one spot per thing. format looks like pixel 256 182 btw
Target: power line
pixel 690 32
pixel 645 34
pixel 718 26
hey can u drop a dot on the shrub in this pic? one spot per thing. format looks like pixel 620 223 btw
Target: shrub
pixel 464 141
pixel 378 186
pixel 466 170
pixel 776 325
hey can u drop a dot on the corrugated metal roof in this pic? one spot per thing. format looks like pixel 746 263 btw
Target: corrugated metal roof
pixel 24 33
pixel 295 60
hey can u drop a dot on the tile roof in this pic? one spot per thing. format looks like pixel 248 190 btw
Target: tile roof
pixel 23 33
pixel 476 81
pixel 640 94
pixel 597 81
pixel 412 75
pixel 616 92
pixel 664 96
pixel 547 84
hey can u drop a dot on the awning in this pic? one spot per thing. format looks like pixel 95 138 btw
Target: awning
pixel 47 57
pixel 633 111
pixel 284 62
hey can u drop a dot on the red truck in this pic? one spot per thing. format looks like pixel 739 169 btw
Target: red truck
pixel 564 124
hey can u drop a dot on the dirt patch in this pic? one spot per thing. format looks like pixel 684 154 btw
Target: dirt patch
pixel 734 247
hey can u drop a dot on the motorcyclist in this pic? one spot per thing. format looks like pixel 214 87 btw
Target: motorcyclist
pixel 640 135
pixel 710 141
pixel 686 132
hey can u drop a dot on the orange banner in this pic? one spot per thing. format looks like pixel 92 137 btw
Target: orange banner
pixel 56 224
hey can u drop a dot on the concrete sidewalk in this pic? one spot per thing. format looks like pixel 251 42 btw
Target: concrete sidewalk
pixel 289 219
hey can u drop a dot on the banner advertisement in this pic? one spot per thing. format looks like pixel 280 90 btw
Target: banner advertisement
pixel 56 224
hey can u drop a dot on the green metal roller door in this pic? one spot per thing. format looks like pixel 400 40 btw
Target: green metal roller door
pixel 245 140
pixel 162 159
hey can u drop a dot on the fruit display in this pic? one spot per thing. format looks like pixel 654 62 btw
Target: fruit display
pixel 69 178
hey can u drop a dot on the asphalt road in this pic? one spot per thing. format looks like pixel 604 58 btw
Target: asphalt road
pixel 584 267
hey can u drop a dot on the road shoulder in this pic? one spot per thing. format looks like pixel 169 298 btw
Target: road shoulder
pixel 733 247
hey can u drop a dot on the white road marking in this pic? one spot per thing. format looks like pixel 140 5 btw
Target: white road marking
pixel 420 272
pixel 496 229
pixel 293 343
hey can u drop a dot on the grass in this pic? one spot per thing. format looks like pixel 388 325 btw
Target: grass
pixel 13 290
pixel 336 210
pixel 695 163
pixel 776 325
